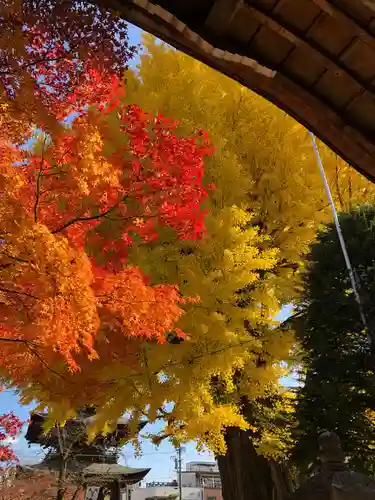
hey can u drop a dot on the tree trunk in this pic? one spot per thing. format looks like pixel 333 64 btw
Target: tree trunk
pixel 61 481
pixel 245 475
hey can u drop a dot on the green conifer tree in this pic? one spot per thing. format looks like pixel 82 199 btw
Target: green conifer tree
pixel 338 394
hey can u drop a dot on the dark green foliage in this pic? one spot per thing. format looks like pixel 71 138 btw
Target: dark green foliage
pixel 339 387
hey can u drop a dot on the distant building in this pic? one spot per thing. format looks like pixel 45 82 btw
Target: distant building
pixel 202 474
pixel 200 481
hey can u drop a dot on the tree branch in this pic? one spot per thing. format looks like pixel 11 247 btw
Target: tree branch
pixel 83 219
pixel 43 362
pixel 6 290
pixel 38 183
pixel 32 347
pixel 191 361
pixel 338 188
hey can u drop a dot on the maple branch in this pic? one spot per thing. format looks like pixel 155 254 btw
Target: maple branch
pixel 43 60
pixel 6 290
pixel 83 219
pixel 8 339
pixel 38 182
pixel 43 362
pixel 18 259
pixel 130 217
pixel 110 299
pixel 104 215
pixel 30 345
pixel 33 63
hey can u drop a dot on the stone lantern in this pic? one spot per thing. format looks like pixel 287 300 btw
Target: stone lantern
pixel 333 480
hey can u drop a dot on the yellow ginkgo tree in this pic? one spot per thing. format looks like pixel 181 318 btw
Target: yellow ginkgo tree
pixel 267 185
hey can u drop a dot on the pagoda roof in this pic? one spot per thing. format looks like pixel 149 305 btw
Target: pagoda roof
pixel 35 435
pixel 114 470
pixel 96 473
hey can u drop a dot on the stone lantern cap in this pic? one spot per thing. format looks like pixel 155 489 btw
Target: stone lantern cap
pixel 334 481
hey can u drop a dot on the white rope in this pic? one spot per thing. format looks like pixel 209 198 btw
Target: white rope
pixel 352 277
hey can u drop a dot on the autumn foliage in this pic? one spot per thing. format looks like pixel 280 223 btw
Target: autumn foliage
pixel 69 212
pixel 47 51
pixel 37 485
pixel 10 428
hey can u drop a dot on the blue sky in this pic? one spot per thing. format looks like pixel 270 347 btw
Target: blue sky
pixel 161 459
pixel 135 35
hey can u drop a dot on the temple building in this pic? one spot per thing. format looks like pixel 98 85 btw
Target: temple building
pixel 90 466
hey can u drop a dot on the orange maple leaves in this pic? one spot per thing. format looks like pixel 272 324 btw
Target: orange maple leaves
pixel 111 181
pixel 46 296
pixel 125 300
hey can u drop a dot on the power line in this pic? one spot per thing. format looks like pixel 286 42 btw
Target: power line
pixel 145 454
pixel 353 278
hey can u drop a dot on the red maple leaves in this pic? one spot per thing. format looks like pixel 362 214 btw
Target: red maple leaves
pixel 47 51
pixel 10 428
pixel 69 214
pixel 118 175
pixel 71 305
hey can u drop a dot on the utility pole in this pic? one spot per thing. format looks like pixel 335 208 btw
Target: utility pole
pixel 178 467
pixel 180 471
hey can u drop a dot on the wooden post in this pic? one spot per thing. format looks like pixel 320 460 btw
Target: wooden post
pixel 116 490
